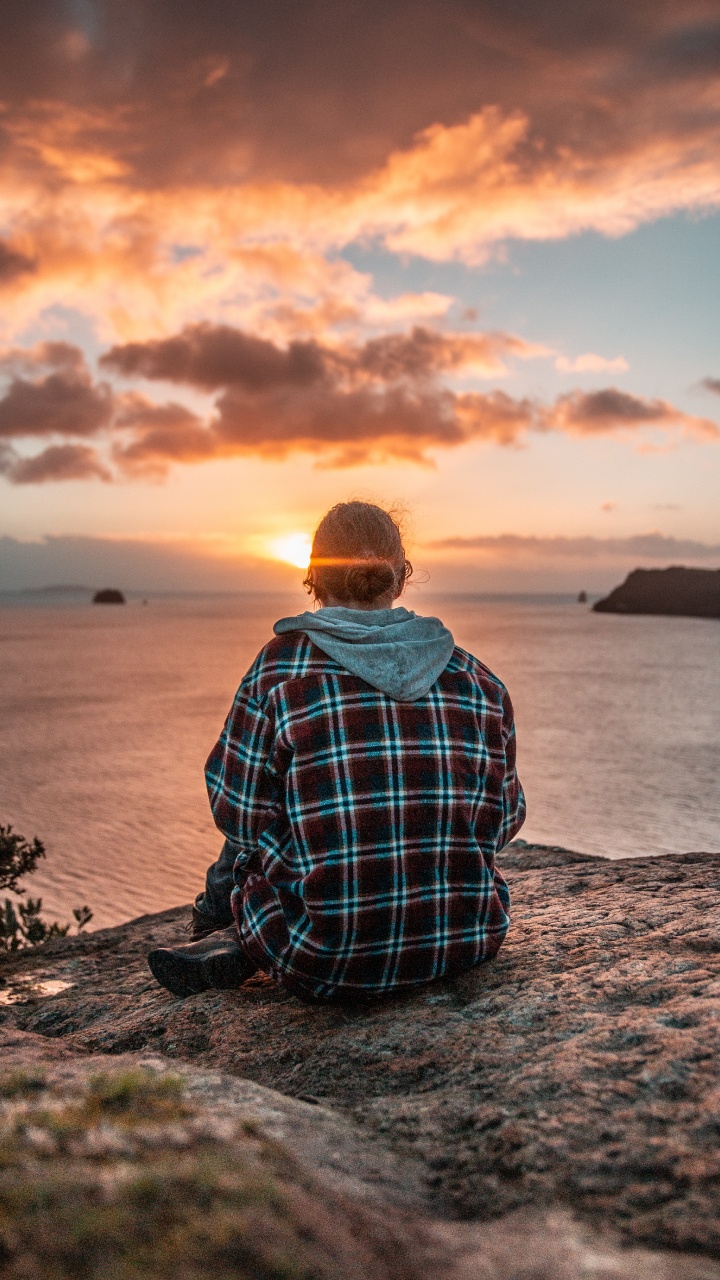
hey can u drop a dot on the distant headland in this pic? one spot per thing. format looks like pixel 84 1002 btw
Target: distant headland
pixel 690 593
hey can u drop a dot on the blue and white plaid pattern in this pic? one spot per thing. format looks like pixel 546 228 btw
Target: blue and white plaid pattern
pixel 366 829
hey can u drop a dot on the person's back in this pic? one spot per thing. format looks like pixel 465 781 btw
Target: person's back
pixel 364 781
pixel 375 823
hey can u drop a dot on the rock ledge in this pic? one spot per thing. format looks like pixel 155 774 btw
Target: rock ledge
pixel 555 1114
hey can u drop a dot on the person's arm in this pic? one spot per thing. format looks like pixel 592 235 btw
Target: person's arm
pixel 513 799
pixel 243 786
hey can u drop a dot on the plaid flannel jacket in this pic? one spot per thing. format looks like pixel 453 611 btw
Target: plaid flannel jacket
pixel 365 829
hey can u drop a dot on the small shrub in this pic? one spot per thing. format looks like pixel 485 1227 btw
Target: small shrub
pixel 21 923
pixel 83 916
pixel 18 858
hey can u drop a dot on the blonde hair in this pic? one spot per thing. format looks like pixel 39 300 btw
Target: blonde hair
pixel 357 554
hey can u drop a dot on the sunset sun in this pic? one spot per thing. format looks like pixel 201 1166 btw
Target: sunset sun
pixel 293 548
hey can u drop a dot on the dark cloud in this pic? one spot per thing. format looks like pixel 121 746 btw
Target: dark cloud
pixel 376 399
pixel 212 356
pixel 347 403
pixel 653 546
pixel 14 264
pixel 595 410
pixel 138 413
pixel 711 384
pixel 59 462
pixel 688 50
pixel 289 89
pixel 45 355
pixel 400 355
pixel 609 410
pixel 154 436
pixel 64 401
pixel 499 417
pixel 423 352
pixel 349 426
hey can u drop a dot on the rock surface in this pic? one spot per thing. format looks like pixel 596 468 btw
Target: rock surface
pixel 677 591
pixel 490 1126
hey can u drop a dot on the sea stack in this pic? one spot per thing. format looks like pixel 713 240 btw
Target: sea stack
pixel 691 593
pixel 108 596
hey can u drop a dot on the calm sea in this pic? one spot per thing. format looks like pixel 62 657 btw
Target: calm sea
pixel 108 713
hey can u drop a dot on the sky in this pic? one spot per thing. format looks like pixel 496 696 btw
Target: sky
pixel 456 256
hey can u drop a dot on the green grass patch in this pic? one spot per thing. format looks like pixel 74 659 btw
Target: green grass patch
pixel 203 1213
pixel 21 1084
pixel 137 1094
pixel 77 1206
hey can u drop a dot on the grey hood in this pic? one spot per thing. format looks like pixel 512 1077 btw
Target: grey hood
pixel 393 650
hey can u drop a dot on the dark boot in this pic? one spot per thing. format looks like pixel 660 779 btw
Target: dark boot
pixel 217 961
pixel 201 924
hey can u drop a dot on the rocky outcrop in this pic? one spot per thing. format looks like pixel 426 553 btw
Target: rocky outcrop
pixel 555 1114
pixel 681 592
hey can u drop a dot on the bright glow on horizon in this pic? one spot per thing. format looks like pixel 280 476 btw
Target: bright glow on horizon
pixel 293 548
pixel 468 294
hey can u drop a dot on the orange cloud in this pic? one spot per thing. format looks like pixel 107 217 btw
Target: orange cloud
pixel 13 264
pixel 610 410
pixel 152 437
pixel 211 356
pixel 59 462
pixel 461 189
pixel 191 163
pixel 591 363
pixel 62 401
pixel 347 403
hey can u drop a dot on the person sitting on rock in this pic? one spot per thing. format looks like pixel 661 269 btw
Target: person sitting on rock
pixel 364 782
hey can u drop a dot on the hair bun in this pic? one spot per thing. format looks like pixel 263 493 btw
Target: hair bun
pixel 366 582
pixel 357 555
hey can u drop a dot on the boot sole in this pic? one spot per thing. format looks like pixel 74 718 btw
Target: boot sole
pixel 188 975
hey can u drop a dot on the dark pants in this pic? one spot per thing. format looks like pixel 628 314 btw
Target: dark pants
pixel 214 902
pixel 213 906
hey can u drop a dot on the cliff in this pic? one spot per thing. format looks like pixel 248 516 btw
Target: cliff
pixel 551 1116
pixel 683 592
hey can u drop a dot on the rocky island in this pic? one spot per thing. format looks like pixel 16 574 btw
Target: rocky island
pixel 550 1116
pixel 677 591
pixel 108 595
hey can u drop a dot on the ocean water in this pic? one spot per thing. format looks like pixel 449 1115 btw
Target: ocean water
pixel 108 713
